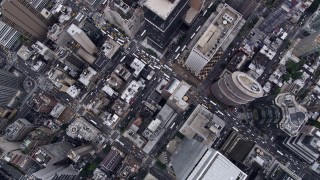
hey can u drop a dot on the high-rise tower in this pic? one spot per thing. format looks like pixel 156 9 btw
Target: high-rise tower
pixel 11 89
pixel 307 45
pixel 20 15
pixel 162 19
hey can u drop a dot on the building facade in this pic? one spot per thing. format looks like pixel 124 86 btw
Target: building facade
pixel 29 22
pixel 124 16
pixel 8 35
pixel 307 45
pixel 80 37
pixel 18 130
pixel 212 39
pixel 11 89
pixel 162 19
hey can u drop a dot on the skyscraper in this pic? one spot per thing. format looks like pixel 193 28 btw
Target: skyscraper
pixel 216 34
pixel 8 35
pixel 279 114
pixel 18 130
pixel 162 19
pixel 125 16
pixel 192 160
pixel 78 35
pixel 11 89
pixel 20 15
pixel 306 145
pixel 236 89
pixel 307 45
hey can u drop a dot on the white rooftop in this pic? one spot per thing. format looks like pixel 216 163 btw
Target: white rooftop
pixel 73 29
pixel 154 125
pixel 73 91
pixel 214 166
pixel 173 86
pixel 137 65
pixel 179 94
pixel 87 75
pixel 162 8
pixel 57 110
pixel 130 92
pixel 107 89
pixel 268 52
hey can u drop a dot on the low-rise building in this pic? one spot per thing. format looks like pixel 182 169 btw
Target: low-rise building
pixel 203 126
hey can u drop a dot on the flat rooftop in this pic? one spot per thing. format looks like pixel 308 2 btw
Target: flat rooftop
pixel 218 31
pixel 203 123
pixel 162 8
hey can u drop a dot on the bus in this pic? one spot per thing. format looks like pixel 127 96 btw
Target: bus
pixel 110 36
pixel 122 58
pixel 177 49
pixel 93 122
pixel 220 112
pixel 157 67
pixel 172 125
pixel 166 75
pixel 204 106
pixel 103 32
pixel 104 2
pixel 143 33
pixel 183 48
pixel 210 5
pixel 119 43
pixel 212 103
pixel 120 142
pixel 205 12
pixel 192 35
pixel 234 128
pixel 151 67
pixel 143 61
pixel 177 56
pixel 120 40
pixel 198 28
pixel 135 55
pixel 279 152
pixel 168 67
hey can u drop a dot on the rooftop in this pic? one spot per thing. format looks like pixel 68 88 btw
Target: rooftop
pixel 247 84
pixel 86 76
pixel 112 159
pixel 218 31
pixel 202 162
pixel 162 8
pixel 294 116
pixel 82 129
pixel 179 95
pixel 131 90
pixel 137 65
pixel 204 124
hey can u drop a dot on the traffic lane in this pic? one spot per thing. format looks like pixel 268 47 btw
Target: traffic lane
pixel 264 142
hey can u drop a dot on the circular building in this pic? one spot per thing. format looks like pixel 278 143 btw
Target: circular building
pixel 236 89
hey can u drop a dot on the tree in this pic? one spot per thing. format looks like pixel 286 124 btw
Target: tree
pixel 276 90
pixel 286 77
pixel 296 75
pixel 161 165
